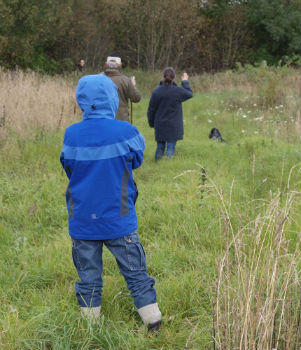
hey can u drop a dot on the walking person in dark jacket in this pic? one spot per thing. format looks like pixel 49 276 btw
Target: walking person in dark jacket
pixel 165 112
pixel 98 155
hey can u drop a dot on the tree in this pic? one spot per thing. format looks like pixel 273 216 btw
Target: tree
pixel 27 29
pixel 157 33
pixel 200 35
pixel 276 27
pixel 224 34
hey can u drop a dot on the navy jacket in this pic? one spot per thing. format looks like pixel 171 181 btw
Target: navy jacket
pixel 165 110
pixel 98 156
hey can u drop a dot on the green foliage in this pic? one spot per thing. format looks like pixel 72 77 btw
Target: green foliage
pixel 294 61
pixel 52 36
pixel 28 29
pixel 43 64
pixel 277 29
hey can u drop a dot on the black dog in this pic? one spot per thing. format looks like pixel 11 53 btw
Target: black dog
pixel 216 135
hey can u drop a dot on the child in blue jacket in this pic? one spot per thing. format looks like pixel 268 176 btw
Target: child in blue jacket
pixel 98 155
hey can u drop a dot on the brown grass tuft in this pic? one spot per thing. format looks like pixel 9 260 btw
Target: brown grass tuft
pixel 29 101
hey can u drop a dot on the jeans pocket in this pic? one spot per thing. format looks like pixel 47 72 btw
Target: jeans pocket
pixel 75 257
pixel 135 253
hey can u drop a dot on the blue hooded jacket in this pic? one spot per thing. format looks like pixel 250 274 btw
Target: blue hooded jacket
pixel 98 156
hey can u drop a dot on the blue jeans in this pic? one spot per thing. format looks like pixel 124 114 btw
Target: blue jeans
pixel 161 148
pixel 130 257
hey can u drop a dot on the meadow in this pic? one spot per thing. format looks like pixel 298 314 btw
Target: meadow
pixel 220 222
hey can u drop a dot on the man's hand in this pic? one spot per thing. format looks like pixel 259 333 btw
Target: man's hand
pixel 133 80
pixel 185 76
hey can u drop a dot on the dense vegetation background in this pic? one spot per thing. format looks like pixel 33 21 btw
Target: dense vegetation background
pixel 199 35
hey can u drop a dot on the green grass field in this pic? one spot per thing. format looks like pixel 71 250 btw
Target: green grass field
pixel 220 224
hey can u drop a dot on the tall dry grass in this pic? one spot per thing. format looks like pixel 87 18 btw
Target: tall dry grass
pixel 29 101
pixel 258 290
pixel 263 86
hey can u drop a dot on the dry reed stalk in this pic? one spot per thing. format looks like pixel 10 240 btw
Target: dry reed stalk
pixel 298 124
pixel 257 302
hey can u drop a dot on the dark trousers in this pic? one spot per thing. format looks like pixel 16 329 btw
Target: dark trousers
pixel 171 145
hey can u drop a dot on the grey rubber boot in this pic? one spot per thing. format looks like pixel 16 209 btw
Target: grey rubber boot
pixel 151 316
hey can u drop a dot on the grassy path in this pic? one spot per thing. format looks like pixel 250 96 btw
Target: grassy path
pixel 197 228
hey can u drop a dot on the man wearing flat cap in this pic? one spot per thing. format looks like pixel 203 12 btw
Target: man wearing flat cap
pixel 126 86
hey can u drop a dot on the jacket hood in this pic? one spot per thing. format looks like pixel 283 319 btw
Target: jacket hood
pixel 166 84
pixel 97 97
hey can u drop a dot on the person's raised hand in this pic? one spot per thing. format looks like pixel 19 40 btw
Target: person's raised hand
pixel 185 76
pixel 133 79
